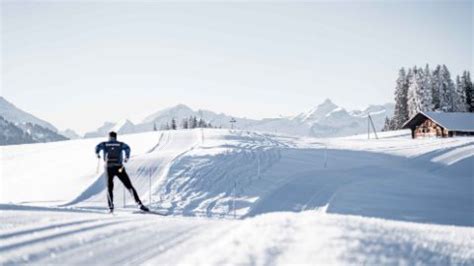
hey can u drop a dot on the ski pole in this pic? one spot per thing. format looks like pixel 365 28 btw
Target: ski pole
pixel 98 165
pixel 233 200
pixel 124 197
pixel 124 200
pixel 149 187
pixel 325 156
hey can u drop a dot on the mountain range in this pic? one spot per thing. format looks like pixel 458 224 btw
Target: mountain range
pixel 20 127
pixel 325 120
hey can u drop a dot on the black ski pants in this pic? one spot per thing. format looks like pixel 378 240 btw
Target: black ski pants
pixel 119 171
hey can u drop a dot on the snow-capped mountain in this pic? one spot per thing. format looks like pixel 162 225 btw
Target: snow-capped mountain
pixel 17 116
pixel 20 127
pixel 101 131
pixel 41 134
pixel 177 111
pixel 317 113
pixel 163 117
pixel 325 120
pixel 181 111
pixel 11 134
pixel 122 127
pixel 70 134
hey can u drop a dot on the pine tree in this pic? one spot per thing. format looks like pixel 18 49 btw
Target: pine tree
pixel 201 123
pixel 460 104
pixel 468 90
pixel 154 127
pixel 165 126
pixel 401 90
pixel 414 102
pixel 426 93
pixel 393 126
pixel 447 91
pixel 436 86
pixel 419 97
pixel 184 123
pixel 387 124
pixel 194 122
pixel 173 124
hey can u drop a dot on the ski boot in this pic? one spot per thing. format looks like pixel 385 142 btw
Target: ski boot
pixel 143 208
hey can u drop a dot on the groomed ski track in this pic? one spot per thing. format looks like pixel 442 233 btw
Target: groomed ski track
pixel 238 197
pixel 45 237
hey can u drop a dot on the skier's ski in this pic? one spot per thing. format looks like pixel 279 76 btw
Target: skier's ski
pixel 151 212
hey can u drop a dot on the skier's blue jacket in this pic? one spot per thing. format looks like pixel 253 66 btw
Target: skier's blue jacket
pixel 113 151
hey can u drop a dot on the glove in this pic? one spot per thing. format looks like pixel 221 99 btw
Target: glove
pixel 98 156
pixel 125 160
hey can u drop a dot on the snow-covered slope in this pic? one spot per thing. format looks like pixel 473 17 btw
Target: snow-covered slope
pixel 41 236
pixel 221 173
pixel 352 200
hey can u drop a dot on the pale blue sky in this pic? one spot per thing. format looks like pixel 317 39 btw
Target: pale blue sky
pixel 80 63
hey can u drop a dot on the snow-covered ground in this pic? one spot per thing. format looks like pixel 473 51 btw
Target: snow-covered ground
pixel 45 237
pixel 304 200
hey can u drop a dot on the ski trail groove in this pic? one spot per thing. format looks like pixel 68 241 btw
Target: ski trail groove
pixel 42 228
pixel 38 247
pixel 54 236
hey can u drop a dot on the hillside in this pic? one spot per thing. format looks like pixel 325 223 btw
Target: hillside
pixel 201 172
pixel 11 134
pixel 340 199
pixel 20 127
pixel 17 116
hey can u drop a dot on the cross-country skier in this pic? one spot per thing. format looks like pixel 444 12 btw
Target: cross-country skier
pixel 113 156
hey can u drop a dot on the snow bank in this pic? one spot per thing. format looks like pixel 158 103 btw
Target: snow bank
pixel 308 237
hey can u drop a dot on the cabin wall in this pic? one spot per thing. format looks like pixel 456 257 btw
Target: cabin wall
pixel 422 126
pixel 428 128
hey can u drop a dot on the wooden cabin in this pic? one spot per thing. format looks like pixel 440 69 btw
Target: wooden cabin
pixel 441 124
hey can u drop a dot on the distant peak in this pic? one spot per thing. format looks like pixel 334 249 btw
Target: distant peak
pixel 181 106
pixel 124 121
pixel 327 102
pixel 318 112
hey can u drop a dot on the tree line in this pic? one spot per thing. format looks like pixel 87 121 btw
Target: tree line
pixel 423 90
pixel 186 123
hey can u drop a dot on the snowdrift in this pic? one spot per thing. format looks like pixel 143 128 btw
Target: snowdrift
pixel 222 173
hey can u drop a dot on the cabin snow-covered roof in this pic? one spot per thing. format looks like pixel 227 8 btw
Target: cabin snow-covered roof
pixel 454 121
